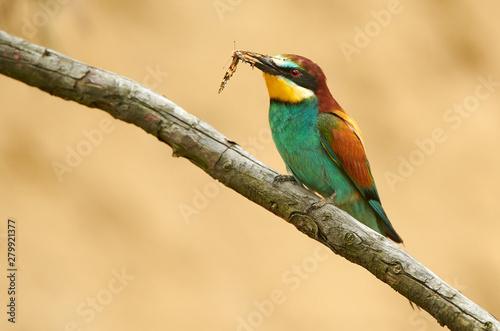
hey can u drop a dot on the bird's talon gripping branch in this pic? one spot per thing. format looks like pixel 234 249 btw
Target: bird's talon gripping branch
pixel 316 205
pixel 284 178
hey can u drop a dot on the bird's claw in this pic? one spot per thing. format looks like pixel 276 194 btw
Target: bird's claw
pixel 284 178
pixel 322 202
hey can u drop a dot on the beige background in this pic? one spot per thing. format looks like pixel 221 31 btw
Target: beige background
pixel 118 210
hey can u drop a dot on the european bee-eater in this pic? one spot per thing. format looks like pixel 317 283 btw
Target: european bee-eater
pixel 320 144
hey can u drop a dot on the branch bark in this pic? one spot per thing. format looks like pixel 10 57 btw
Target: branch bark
pixel 227 162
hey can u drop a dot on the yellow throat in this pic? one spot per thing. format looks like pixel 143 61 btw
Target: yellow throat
pixel 285 90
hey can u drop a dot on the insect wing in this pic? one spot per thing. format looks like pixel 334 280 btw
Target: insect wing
pixel 229 73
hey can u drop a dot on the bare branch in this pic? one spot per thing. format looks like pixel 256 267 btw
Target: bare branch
pixel 225 161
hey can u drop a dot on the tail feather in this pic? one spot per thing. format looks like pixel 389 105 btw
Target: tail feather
pixel 386 224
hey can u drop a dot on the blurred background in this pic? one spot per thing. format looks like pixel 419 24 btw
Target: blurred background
pixel 115 233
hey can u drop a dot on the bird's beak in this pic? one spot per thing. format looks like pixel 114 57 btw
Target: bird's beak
pixel 263 62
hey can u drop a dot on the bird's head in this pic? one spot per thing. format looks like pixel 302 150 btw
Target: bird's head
pixel 291 78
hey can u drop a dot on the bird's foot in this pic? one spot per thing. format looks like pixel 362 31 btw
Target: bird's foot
pixel 322 202
pixel 284 178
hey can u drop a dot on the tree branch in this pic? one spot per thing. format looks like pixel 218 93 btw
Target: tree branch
pixel 227 162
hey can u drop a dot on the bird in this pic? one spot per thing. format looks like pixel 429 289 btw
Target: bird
pixel 320 144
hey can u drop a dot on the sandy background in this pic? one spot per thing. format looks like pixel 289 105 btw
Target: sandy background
pixel 106 246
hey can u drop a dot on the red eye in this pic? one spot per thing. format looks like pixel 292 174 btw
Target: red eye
pixel 295 72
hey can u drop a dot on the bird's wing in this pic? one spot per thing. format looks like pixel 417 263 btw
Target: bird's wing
pixel 342 140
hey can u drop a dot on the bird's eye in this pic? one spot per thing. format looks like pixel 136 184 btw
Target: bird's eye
pixel 295 72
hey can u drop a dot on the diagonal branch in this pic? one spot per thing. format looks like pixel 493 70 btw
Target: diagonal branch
pixel 225 161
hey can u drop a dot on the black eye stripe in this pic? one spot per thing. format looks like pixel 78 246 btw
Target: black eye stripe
pixel 303 79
